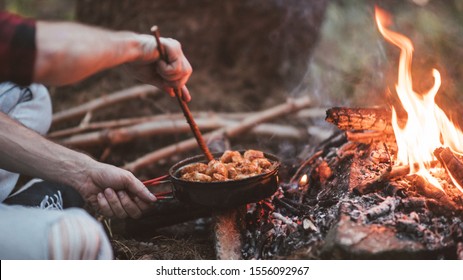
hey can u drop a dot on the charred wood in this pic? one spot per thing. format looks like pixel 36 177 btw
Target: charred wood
pixel 376 119
pixel 426 189
pixel 385 207
pixel 286 205
pixel 284 219
pixel 388 175
pixel 368 137
pixel 453 164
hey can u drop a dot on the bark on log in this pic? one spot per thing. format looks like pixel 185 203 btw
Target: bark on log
pixel 376 119
pixel 453 164
pixel 105 101
pixel 291 106
pixel 367 137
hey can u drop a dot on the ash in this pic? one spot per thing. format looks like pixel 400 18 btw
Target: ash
pixel 348 210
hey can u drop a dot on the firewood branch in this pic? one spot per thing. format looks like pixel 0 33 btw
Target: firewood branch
pixel 105 101
pixel 292 106
pixel 156 126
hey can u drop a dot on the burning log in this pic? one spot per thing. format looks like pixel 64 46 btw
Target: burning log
pixel 367 137
pixel 452 163
pixel 390 173
pixel 375 119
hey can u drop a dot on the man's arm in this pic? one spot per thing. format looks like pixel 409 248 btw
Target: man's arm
pixel 26 152
pixel 69 52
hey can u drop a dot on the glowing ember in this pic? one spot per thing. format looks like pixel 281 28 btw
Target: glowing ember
pixel 303 180
pixel 427 126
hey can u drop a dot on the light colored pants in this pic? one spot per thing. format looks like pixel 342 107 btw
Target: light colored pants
pixel 34 233
pixel 30 106
pixel 28 233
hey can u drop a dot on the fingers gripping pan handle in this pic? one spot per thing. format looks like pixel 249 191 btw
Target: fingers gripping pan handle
pixel 158 181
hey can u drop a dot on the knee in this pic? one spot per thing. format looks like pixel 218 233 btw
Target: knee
pixel 77 235
pixel 37 112
pixel 29 105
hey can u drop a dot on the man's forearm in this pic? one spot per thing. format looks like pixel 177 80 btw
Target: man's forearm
pixel 26 152
pixel 69 52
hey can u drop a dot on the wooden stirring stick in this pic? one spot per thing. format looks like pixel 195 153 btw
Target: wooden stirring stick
pixel 178 93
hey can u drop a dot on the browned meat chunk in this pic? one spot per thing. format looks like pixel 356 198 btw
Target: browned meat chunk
pixel 200 167
pixel 215 166
pixel 195 176
pixel 231 166
pixel 253 154
pixel 231 156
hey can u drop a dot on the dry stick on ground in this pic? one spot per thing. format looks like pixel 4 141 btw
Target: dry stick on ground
pixel 137 120
pixel 291 106
pixel 127 134
pixel 159 127
pixel 110 124
pixel 238 116
pixel 105 101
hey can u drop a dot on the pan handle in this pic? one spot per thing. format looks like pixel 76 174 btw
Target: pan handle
pixel 157 181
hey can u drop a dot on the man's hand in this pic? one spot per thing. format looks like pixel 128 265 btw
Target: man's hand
pixel 153 70
pixel 115 192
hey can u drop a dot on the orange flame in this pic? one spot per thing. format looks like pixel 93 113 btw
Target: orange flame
pixel 427 126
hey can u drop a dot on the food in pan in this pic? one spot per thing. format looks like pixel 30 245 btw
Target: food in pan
pixel 232 165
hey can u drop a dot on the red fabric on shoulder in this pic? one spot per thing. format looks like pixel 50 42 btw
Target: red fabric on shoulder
pixel 17 48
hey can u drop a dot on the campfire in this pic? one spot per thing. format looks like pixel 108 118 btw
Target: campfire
pixel 388 186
